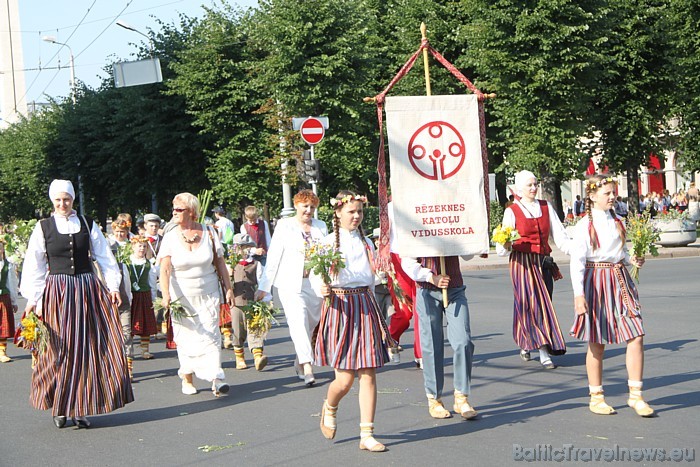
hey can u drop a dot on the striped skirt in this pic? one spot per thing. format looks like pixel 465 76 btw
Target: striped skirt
pixel 535 322
pixel 7 317
pixel 83 370
pixel 350 335
pixel 143 318
pixel 613 306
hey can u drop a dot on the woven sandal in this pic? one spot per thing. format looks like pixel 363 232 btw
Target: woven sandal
pixel 463 407
pixel 598 406
pixel 639 405
pixel 437 410
pixel 328 411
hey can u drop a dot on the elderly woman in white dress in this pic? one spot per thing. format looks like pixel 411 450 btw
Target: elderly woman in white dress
pixel 192 262
pixel 285 269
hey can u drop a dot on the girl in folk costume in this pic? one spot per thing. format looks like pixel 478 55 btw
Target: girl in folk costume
pixel 8 302
pixel 533 272
pixel 605 298
pixel 143 277
pixel 351 328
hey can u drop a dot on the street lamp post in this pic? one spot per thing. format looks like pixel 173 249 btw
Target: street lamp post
pixel 122 24
pixel 73 92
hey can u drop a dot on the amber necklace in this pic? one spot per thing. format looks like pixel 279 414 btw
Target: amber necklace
pixel 194 238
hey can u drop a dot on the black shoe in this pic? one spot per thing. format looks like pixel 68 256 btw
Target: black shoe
pixel 525 355
pixel 81 422
pixel 59 421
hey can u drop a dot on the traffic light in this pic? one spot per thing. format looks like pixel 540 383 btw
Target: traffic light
pixel 312 170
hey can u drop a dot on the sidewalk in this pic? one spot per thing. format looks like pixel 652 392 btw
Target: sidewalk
pixel 497 262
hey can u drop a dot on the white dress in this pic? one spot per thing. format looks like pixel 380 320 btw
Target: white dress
pixel 194 283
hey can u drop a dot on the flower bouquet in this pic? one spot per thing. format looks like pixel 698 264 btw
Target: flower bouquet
pixel 643 234
pixel 176 310
pixel 260 316
pixel 503 235
pixel 324 261
pixel 32 334
pixel 124 253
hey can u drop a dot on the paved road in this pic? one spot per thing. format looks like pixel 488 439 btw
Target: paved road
pixel 269 418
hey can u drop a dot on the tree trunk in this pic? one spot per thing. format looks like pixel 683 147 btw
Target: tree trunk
pixel 632 186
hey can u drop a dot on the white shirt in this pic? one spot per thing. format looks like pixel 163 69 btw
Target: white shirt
pixel 223 225
pixel 557 232
pixel 357 271
pixel 611 249
pixel 36 267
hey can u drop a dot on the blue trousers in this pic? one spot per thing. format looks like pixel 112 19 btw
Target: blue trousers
pixel 430 309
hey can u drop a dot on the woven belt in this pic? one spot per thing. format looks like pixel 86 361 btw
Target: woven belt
pixel 617 272
pixel 354 290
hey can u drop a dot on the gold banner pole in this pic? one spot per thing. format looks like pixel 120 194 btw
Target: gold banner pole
pixel 428 92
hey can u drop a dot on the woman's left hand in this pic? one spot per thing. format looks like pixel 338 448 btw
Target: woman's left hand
pixel 637 261
pixel 229 297
pixel 115 298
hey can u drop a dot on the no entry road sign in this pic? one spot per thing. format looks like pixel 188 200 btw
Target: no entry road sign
pixel 312 131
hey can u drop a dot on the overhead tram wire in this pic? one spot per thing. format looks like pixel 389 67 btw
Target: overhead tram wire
pixel 105 29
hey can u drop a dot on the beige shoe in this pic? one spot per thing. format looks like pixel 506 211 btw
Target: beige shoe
pixel 436 409
pixel 328 421
pixel 638 404
pixel 597 405
pixel 130 367
pixel 463 407
pixel 3 356
pixel 188 389
pixel 367 441
pixel 260 358
pixel 240 358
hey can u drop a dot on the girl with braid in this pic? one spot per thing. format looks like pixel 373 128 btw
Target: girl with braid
pixel 605 298
pixel 351 328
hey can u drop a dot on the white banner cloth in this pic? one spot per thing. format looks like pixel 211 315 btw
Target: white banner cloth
pixel 437 175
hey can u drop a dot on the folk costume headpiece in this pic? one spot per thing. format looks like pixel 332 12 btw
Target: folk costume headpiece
pixel 522 178
pixel 339 202
pixel 593 185
pixel 61 186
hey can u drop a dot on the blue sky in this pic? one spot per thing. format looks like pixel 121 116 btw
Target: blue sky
pixel 88 27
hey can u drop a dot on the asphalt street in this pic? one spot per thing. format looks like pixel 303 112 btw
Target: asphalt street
pixel 270 418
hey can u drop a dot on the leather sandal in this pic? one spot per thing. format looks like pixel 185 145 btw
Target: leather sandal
pixel 639 405
pixel 463 407
pixel 437 410
pixel 598 406
pixel 328 411
pixel 368 443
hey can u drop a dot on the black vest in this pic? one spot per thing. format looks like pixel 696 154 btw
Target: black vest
pixel 67 253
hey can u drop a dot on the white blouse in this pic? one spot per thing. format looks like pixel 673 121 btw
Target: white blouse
pixel 357 271
pixel 557 232
pixel 11 280
pixel 152 273
pixel 611 249
pixel 36 267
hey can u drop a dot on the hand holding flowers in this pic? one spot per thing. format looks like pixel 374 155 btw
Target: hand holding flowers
pixel 504 235
pixel 642 233
pixel 323 260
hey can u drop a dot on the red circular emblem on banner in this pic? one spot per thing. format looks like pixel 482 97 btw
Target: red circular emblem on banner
pixel 436 150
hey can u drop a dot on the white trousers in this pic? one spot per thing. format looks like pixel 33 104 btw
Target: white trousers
pixel 303 312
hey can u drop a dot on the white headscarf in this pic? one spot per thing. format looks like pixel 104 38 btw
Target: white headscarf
pixel 521 180
pixel 61 186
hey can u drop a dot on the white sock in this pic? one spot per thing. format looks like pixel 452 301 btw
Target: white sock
pixel 544 355
pixel 634 384
pixel 595 389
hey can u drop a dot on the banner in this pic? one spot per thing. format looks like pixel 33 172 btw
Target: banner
pixel 437 175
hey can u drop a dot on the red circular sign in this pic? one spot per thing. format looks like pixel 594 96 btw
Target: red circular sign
pixel 436 150
pixel 312 130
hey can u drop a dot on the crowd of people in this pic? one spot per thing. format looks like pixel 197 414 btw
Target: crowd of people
pixel 93 301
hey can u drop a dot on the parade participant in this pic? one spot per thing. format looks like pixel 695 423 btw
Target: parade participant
pixel 244 284
pixel 143 279
pixel 83 369
pixel 191 258
pixel 151 224
pixel 430 308
pixel 124 309
pixel 533 271
pixel 350 331
pixel 606 301
pixel 285 270
pixel 124 219
pixel 224 226
pixel 404 309
pixel 259 231
pixel 8 302
pixel 120 235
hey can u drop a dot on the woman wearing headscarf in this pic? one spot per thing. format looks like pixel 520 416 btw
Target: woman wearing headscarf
pixel 83 370
pixel 533 271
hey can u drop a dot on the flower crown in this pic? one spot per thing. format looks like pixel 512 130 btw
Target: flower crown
pixel 598 184
pixel 138 239
pixel 335 202
pixel 122 224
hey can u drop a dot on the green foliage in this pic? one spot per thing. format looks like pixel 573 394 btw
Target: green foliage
pixel 496 215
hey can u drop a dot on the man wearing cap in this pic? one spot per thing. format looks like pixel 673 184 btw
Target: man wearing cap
pixel 224 226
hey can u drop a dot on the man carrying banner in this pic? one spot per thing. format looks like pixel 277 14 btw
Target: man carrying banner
pixel 430 308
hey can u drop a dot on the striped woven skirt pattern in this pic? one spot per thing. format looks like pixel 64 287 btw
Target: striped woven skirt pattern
pixel 613 306
pixel 83 370
pixel 143 318
pixel 7 317
pixel 350 335
pixel 535 322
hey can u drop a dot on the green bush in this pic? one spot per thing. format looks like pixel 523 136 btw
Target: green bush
pixel 496 215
